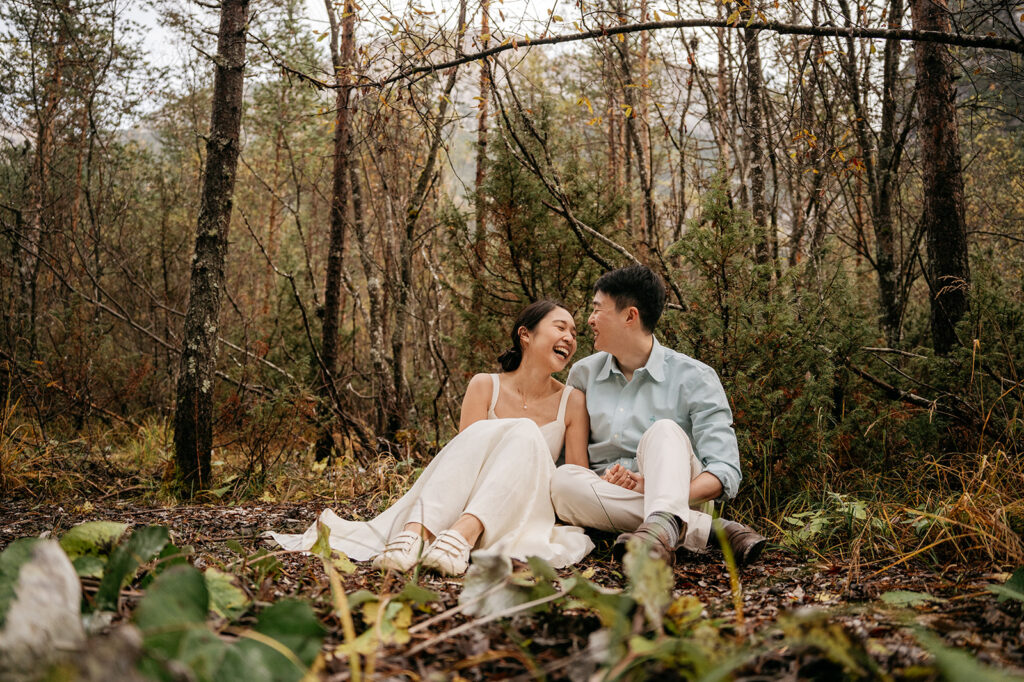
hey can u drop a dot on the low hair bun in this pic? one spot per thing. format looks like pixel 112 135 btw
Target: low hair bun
pixel 510 359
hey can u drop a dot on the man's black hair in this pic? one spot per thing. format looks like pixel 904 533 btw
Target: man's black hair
pixel 635 285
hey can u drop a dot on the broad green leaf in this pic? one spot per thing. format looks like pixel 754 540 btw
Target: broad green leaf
pixel 172 618
pixel 288 640
pixel 412 592
pixel 293 623
pixel 907 599
pixel 1012 588
pixel 956 665
pixel 89 566
pixel 238 665
pixel 11 560
pixel 143 546
pixel 360 597
pixel 94 538
pixel 541 569
pixel 226 598
pixel 178 597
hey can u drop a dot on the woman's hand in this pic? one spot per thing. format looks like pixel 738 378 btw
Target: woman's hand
pixel 621 476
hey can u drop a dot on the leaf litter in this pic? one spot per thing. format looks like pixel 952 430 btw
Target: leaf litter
pixel 798 619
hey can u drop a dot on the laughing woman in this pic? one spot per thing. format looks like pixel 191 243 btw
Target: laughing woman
pixel 488 488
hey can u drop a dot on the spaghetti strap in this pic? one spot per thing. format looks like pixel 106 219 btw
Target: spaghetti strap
pixel 494 394
pixel 565 401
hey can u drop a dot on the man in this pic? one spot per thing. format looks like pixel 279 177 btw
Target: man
pixel 661 436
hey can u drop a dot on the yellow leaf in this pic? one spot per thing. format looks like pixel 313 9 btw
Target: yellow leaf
pixel 555 17
pixel 485 36
pixel 622 38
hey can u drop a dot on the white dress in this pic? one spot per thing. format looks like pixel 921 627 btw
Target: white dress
pixel 500 471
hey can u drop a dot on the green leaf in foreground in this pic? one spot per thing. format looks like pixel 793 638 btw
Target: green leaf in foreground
pixel 908 599
pixel 956 665
pixel 11 561
pixel 1012 589
pixel 226 598
pixel 94 539
pixel 176 602
pixel 412 592
pixel 143 546
pixel 172 618
pixel 286 639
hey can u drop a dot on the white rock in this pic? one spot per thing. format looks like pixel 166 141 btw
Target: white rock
pixel 43 621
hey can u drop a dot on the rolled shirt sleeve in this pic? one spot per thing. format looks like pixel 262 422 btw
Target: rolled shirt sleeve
pixel 711 432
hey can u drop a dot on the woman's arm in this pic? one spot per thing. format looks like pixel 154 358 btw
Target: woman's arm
pixel 476 400
pixel 577 430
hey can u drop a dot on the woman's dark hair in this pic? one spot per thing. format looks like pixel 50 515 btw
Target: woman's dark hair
pixel 529 318
pixel 635 285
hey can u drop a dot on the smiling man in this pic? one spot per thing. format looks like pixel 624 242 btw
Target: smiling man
pixel 661 436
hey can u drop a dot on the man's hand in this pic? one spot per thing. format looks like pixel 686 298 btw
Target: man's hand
pixel 621 476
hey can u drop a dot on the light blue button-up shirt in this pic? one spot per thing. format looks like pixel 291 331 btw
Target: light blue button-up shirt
pixel 670 386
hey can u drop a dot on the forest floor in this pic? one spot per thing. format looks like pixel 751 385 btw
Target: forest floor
pixel 878 607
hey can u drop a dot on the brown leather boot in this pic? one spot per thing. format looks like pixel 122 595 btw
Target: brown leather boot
pixel 745 542
pixel 654 538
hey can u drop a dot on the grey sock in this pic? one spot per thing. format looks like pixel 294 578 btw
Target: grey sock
pixel 670 523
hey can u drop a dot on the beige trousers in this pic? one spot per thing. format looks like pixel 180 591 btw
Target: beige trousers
pixel 667 463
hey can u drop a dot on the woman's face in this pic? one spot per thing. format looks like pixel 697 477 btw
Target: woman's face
pixel 552 341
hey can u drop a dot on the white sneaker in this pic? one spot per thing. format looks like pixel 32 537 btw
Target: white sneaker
pixel 448 554
pixel 401 553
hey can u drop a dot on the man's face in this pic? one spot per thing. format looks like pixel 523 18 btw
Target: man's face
pixel 607 322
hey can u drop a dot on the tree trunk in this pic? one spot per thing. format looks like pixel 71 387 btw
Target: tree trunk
pixel 756 147
pixel 401 404
pixel 480 207
pixel 881 167
pixel 342 58
pixel 193 418
pixel 942 214
pixel 375 294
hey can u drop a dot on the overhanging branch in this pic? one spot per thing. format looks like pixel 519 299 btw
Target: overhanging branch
pixel 959 40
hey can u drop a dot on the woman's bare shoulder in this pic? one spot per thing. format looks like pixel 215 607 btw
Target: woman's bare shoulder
pixel 480 380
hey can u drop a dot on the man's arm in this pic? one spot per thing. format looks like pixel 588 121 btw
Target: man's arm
pixel 714 439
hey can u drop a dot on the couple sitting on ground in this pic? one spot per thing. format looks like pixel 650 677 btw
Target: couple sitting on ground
pixel 647 436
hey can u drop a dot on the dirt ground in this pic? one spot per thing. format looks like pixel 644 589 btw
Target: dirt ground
pixel 964 614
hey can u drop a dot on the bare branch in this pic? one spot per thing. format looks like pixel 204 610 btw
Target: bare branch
pixel 987 42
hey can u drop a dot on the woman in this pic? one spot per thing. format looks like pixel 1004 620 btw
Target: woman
pixel 488 488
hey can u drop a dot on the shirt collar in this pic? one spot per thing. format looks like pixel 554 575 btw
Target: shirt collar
pixel 655 365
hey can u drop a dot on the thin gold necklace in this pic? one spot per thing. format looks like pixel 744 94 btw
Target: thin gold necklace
pixel 522 396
